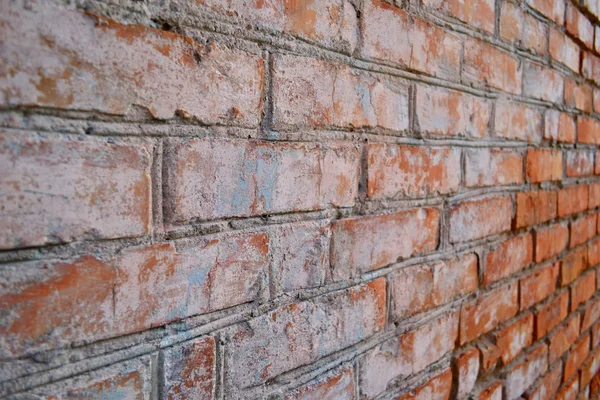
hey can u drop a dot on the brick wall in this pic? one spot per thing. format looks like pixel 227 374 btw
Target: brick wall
pixel 326 199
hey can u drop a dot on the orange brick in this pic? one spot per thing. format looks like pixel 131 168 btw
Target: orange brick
pixel 594 253
pixel 544 165
pixel 590 367
pixel 515 337
pixel 477 13
pixel 559 126
pixel 550 241
pixel 594 190
pixel 508 258
pixel 578 95
pixel 572 200
pixel 537 286
pixel 563 338
pixel 547 387
pixel 467 365
pixel 577 356
pixel 579 26
pixel 573 265
pixel 518 121
pixel 492 392
pixel 564 50
pixel 189 370
pixel 523 375
pixel 522 29
pixel 591 314
pixel 476 219
pixel 337 386
pixel 583 289
pixel 438 387
pixel 582 230
pixel 588 130
pixel 493 167
pixel 569 391
pixel 490 354
pixel 552 9
pixel 551 314
pixel 535 208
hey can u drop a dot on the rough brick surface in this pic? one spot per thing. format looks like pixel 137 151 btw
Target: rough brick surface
pixel 300 200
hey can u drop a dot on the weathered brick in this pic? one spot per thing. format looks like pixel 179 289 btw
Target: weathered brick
pixel 446 112
pixel 492 392
pixel 493 167
pixel 340 386
pixel 591 314
pixel 590 367
pixel 544 165
pixel 489 309
pixel 484 63
pixel 577 356
pixel 300 255
pixel 437 388
pixel 590 67
pixel 588 130
pixel 476 219
pixel 596 100
pixel 572 266
pixel 390 35
pixel 213 178
pixel 477 13
pixel 564 50
pixel 467 365
pixel 522 29
pixel 189 370
pixel 515 337
pixel 572 200
pixel 579 26
pixel 569 391
pixel 594 253
pixel 508 258
pixel 563 338
pixel 582 230
pixel 559 126
pixel 583 289
pixel 579 163
pixel 366 243
pixel 551 314
pixel 594 197
pixel 535 207
pixel 547 387
pixel 523 375
pixel 318 93
pixel 57 189
pixel 537 286
pixel 331 23
pixel 410 353
pixel 410 171
pixel 518 121
pixel 552 9
pixel 421 287
pixel 298 334
pixel 543 83
pixel 162 71
pixel 550 241
pixel 578 95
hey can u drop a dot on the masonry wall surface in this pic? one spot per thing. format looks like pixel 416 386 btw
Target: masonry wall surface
pixel 320 199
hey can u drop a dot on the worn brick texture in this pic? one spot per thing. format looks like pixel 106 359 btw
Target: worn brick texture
pixel 300 200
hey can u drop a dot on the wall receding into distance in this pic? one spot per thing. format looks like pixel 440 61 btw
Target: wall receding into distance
pixel 285 199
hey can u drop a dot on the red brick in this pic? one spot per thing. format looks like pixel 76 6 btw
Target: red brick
pixel 410 171
pixel 422 287
pixel 535 208
pixel 594 198
pixel 390 35
pixel 515 337
pixel 492 392
pixel 116 74
pixel 477 13
pixel 213 178
pixel 493 167
pixel 539 285
pixel 588 130
pixel 579 163
pixel 583 289
pixel 56 189
pixel 367 243
pixel 331 23
pixel 564 50
pixel 563 339
pixel 490 354
pixel 317 93
pixel 189 370
pixel 591 314
pixel 446 112
pixel 596 336
pixel 594 253
pixel 590 67
pixel 476 219
pixel 485 63
pixel 551 314
pixel 437 388
pixel 543 83
pixel 577 356
pixel 489 309
pixel 297 334
pixel 572 200
pixel 410 353
pixel 578 95
pixel 300 256
pixel 337 386
pixel 579 26
pixel 550 241
pixel 508 258
pixel 595 385
pixel 518 121
pixel 596 97
pixel 590 367
pixel 569 392
pixel 522 29
pixel 467 366
pixel 544 165
pixel 573 265
pixel 523 375
pixel 552 9
pixel 547 387
pixel 559 126
pixel 582 230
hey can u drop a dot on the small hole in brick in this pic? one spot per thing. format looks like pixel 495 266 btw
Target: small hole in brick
pixel 89 130
pixel 197 56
